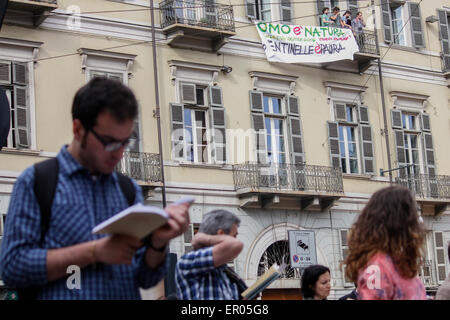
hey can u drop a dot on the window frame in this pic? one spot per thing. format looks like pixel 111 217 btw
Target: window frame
pixel 408 132
pixel 355 125
pixel 271 116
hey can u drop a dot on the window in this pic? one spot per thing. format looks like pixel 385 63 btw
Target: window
pixel 397 25
pixel 348 142
pixel 266 10
pixel 276 149
pixel 440 259
pixel 411 141
pixel 198 124
pixel 402 23
pixel 350 139
pixel 444 32
pixel 14 80
pixel 278 252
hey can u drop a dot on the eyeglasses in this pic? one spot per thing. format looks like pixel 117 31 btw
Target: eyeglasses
pixel 114 145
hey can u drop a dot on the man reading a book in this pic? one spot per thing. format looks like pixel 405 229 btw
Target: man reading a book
pixel 88 191
pixel 202 274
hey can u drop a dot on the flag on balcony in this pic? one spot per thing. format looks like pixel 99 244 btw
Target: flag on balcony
pixel 306 44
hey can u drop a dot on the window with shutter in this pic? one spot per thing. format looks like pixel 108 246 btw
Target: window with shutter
pixel 188 93
pixel 416 25
pixel 218 125
pixel 440 259
pixel 286 11
pixel 444 35
pixel 363 114
pixel 367 149
pixel 5 72
pixel 387 20
pixel 333 141
pixel 250 9
pixel 178 131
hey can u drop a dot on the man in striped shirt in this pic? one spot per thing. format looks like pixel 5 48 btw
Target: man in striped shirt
pixel 203 274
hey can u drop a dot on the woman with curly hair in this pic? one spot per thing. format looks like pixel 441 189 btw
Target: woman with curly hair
pixel 385 248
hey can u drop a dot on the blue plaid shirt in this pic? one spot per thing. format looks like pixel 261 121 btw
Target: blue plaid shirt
pixel 197 278
pixel 81 202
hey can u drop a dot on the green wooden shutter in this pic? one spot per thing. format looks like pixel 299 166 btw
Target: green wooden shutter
pixel 20 74
pixel 333 141
pixel 178 134
pixel 256 101
pixel 387 20
pixel 295 130
pixel 396 117
pixel 218 125
pixel 257 108
pixel 416 25
pixel 445 41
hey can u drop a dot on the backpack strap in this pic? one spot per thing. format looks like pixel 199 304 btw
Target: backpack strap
pixel 45 181
pixel 127 187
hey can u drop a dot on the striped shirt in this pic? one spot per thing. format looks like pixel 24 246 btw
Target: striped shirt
pixel 81 201
pixel 196 278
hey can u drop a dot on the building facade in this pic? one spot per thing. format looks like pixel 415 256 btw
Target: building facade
pixel 283 146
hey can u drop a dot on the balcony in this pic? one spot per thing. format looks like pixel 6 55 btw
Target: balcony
pixel 362 59
pixel 29 11
pixel 432 192
pixel 143 167
pixel 287 186
pixel 197 24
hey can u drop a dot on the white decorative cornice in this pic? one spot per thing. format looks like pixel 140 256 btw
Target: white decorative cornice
pixel 421 98
pixel 345 86
pixel 175 64
pixel 127 59
pixel 258 76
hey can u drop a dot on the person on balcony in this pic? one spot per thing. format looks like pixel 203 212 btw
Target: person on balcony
pixel 325 19
pixel 336 18
pixel 202 274
pixel 346 20
pixel 358 26
pixel 36 257
pixel 385 246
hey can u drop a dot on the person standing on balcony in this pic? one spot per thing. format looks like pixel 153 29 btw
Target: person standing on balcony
pixel 358 26
pixel 443 292
pixel 336 18
pixel 385 248
pixel 88 191
pixel 346 20
pixel 325 19
pixel 202 274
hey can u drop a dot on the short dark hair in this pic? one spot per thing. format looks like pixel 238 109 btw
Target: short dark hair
pixel 100 95
pixel 309 278
pixel 325 9
pixel 336 9
pixel 347 12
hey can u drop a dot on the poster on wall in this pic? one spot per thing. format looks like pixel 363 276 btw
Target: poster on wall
pixel 302 248
pixel 306 44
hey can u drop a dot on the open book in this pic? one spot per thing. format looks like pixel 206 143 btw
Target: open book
pixel 263 282
pixel 137 221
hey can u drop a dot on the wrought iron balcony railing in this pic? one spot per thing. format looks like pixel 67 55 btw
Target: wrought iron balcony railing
pixel 140 166
pixel 295 177
pixel 366 43
pixel 427 186
pixel 200 13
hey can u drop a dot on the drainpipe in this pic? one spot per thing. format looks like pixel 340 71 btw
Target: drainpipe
pixel 383 102
pixel 157 112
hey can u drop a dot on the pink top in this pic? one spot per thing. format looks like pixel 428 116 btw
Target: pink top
pixel 380 280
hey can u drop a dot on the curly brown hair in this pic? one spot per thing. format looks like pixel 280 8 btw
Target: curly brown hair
pixel 389 224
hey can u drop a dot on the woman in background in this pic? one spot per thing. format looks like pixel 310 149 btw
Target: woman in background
pixel 385 246
pixel 315 283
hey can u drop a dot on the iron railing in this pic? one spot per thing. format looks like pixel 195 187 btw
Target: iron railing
pixel 295 177
pixel 200 13
pixel 140 166
pixel 426 186
pixel 366 42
